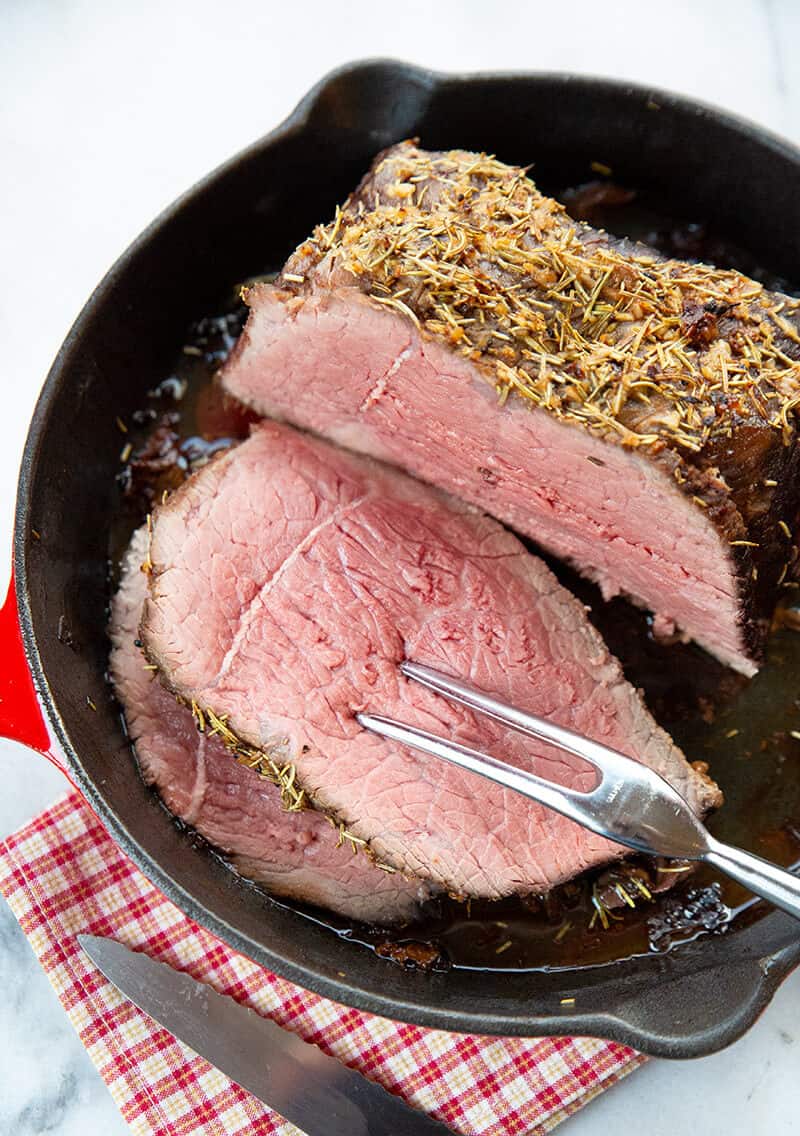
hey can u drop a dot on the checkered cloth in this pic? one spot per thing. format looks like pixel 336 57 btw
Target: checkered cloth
pixel 62 874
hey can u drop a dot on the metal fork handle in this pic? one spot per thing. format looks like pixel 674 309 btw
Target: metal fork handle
pixel 777 885
pixel 769 881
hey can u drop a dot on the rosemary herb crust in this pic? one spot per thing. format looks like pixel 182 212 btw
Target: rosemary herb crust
pixel 695 367
pixel 605 333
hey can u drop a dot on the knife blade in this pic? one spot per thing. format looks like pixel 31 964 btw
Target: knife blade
pixel 313 1091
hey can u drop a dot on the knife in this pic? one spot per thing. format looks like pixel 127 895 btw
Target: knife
pixel 313 1091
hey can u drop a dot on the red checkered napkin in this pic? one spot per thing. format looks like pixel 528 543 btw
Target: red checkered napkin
pixel 62 874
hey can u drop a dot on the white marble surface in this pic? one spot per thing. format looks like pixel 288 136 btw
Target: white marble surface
pixel 108 111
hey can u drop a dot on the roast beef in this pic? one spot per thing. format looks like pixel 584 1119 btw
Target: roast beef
pixel 288 580
pixel 293 854
pixel 631 414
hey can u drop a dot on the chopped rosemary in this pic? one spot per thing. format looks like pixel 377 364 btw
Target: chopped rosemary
pixel 563 930
pixel 641 887
pixel 600 911
pixel 282 774
pixel 626 884
pixel 623 342
pixel 624 895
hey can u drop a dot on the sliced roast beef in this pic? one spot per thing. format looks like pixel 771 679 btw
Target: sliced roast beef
pixel 631 414
pixel 288 580
pixel 293 854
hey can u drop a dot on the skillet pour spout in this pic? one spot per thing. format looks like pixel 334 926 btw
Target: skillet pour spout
pixel 246 216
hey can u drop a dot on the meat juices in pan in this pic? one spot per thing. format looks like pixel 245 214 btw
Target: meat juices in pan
pixel 697 700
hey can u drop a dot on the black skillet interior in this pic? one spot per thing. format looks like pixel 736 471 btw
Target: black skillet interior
pixel 250 214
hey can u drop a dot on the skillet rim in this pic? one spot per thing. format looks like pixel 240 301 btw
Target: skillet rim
pixel 760 976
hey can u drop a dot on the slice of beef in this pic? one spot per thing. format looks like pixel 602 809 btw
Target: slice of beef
pixel 288 581
pixel 293 854
pixel 631 414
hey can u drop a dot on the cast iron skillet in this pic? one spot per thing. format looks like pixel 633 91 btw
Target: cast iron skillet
pixel 247 215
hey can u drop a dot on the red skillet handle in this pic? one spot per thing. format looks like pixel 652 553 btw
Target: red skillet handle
pixel 21 717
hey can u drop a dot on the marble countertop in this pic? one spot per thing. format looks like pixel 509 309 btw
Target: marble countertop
pixel 107 112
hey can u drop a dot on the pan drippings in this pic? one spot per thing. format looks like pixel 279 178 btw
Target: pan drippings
pixel 748 733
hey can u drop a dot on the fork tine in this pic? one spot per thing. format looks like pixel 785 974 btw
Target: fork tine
pixel 608 761
pixel 635 806
pixel 566 801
